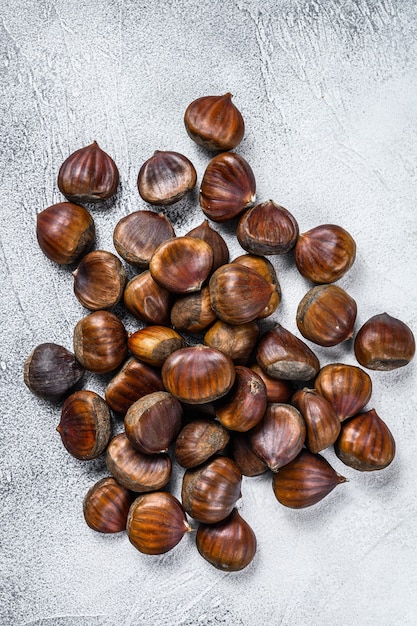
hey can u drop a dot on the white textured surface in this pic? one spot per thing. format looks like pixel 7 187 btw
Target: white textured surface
pixel 327 90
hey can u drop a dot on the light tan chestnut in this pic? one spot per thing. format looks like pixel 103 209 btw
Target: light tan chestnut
pixel 365 442
pixel 198 374
pixel 99 280
pixel 384 343
pixel 238 341
pixel 146 300
pixel 153 422
pixel 137 235
pixel 245 404
pixel 182 264
pixel 264 267
pixel 322 423
pixel 282 355
pixel 199 440
pixel 166 177
pixel 134 470
pixel 229 545
pixel 266 229
pixel 106 506
pixel 305 481
pixel 133 381
pixel 192 313
pixel 100 342
pixel 215 241
pixel 153 344
pixel 326 315
pixel 348 388
pixel 228 187
pixel 156 523
pixel 325 253
pixel 238 294
pixel 214 122
pixel 210 491
pixel 279 436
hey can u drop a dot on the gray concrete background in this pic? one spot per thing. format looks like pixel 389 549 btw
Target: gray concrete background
pixel 327 90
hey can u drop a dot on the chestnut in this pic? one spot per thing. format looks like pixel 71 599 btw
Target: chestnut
pixel 65 232
pixel 245 404
pixel 267 229
pixel 214 122
pixel 146 300
pixel 277 390
pixel 166 177
pixel 192 313
pixel 133 381
pixel 265 268
pixel 199 440
pixel 236 340
pixel 106 506
pixel 322 423
pixel 244 456
pixel 348 388
pixel 215 241
pixel 384 343
pixel 51 370
pixel 88 175
pixel 100 342
pixel 153 344
pixel 99 280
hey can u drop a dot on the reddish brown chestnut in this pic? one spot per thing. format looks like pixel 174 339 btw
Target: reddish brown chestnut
pixel 322 423
pixel 99 280
pixel 245 404
pixel 166 177
pixel 384 343
pixel 133 381
pixel 106 506
pixel 214 122
pixel 199 440
pixel 100 342
pixel 267 228
pixel 147 300
pixel 348 388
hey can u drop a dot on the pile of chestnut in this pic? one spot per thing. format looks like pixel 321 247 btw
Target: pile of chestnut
pixel 200 383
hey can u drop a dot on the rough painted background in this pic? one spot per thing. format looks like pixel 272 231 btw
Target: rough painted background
pixel 327 90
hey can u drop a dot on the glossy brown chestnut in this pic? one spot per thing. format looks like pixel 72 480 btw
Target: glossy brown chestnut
pixel 166 177
pixel 153 344
pixel 283 355
pixel 210 491
pixel 106 506
pixel 229 545
pixel 325 253
pixel 137 236
pixel 322 423
pixel 133 381
pixel 153 422
pixel 277 390
pixel 214 122
pixel 365 442
pixel 198 374
pixel 265 268
pixel 136 471
pixel 236 340
pixel 215 241
pixel 156 523
pixel 100 342
pixel 199 440
pixel 99 280
pixel 146 300
pixel 238 294
pixel 245 404
pixel 192 313
pixel 85 425
pixel 88 175
pixel 305 481
pixel 182 264
pixel 245 458
pixel 267 228
pixel 348 388
pixel 326 315
pixel 228 187
pixel 65 232
pixel 50 371
pixel 384 343
pixel 279 436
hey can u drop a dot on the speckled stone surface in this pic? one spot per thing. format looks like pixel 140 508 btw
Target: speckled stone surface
pixel 327 90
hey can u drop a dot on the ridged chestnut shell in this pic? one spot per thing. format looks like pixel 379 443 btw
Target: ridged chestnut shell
pixel 325 253
pixel 267 229
pixel 214 122
pixel 210 491
pixel 245 404
pixel 65 232
pixel 147 300
pixel 137 236
pixel 199 440
pixel 133 381
pixel 99 280
pixel 322 423
pixel 106 506
pixel 198 374
pixel 100 342
pixel 384 343
pixel 88 175
pixel 365 442
pixel 166 177
pixel 305 481
pixel 85 425
pixel 229 545
pixel 236 340
pixel 228 187
pixel 50 371
pixel 347 387
pixel 156 523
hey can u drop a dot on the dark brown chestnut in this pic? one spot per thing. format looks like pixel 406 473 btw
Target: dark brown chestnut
pixel 146 300
pixel 245 458
pixel 106 506
pixel 199 440
pixel 133 381
pixel 348 388
pixel 384 343
pixel 65 232
pixel 245 404
pixel 166 177
pixel 88 175
pixel 51 370
pixel 99 280
pixel 236 340
pixel 266 229
pixel 322 423
pixel 100 342
pixel 214 122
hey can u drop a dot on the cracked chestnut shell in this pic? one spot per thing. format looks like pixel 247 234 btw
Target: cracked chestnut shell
pixel 384 343
pixel 214 122
pixel 166 177
pixel 106 506
pixel 99 280
pixel 100 342
pixel 51 370
pixel 347 387
pixel 228 187
pixel 267 229
pixel 65 232
pixel 88 175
